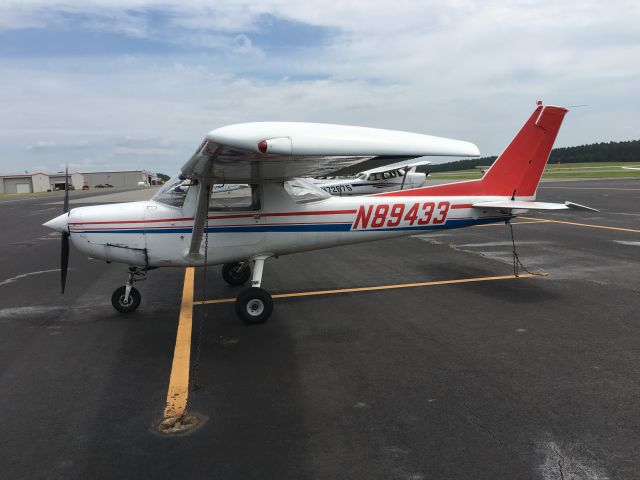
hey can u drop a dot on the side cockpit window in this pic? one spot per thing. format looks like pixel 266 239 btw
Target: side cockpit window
pixel 238 197
pixel 173 193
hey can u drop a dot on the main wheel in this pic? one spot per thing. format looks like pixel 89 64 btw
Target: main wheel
pixel 254 305
pixel 236 273
pixel 125 305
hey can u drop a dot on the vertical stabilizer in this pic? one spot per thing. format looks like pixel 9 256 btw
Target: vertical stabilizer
pixel 517 171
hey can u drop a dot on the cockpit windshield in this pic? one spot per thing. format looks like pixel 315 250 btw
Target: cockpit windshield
pixel 173 193
pixel 303 191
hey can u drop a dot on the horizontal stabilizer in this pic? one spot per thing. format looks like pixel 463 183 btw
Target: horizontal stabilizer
pixel 525 205
pixel 577 206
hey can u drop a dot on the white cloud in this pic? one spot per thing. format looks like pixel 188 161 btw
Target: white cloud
pixel 463 69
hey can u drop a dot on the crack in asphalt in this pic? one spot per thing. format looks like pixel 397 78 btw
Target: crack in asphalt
pixel 561 460
pixel 480 425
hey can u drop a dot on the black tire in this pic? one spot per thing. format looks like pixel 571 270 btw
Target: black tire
pixel 254 306
pixel 236 273
pixel 119 303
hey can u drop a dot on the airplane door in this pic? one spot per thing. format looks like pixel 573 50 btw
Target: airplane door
pixel 235 220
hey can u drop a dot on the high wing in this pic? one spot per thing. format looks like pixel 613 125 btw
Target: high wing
pixel 278 151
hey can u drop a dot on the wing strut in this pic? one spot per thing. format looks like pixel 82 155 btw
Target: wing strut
pixel 199 220
pixel 404 177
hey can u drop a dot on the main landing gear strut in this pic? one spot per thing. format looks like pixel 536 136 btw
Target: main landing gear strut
pixel 127 298
pixel 254 305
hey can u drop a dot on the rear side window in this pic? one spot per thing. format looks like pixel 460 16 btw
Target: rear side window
pixel 302 191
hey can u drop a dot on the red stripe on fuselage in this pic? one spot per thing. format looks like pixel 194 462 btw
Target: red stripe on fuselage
pixel 76 229
pixel 222 217
pixel 462 205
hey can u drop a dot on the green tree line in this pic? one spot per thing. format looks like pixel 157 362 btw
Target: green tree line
pixel 627 151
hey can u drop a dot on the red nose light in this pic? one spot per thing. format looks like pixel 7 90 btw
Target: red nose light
pixel 262 146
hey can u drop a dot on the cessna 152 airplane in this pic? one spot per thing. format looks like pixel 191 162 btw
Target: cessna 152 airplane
pixel 278 213
pixel 397 176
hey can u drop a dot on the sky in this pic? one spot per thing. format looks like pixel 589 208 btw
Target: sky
pixel 115 84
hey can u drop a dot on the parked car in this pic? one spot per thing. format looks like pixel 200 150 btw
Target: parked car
pixel 99 186
pixel 108 185
pixel 85 187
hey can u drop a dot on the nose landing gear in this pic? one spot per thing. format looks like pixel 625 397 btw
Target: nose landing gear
pixel 127 298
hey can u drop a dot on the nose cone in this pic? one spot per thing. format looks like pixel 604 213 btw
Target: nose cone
pixel 59 223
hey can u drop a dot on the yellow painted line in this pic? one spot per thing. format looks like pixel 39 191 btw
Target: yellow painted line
pixel 501 224
pixel 379 287
pixel 178 392
pixel 606 227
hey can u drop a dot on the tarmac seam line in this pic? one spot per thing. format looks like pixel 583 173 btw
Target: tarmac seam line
pixel 380 287
pixel 589 225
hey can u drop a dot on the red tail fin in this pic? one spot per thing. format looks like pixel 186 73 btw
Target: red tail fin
pixel 518 170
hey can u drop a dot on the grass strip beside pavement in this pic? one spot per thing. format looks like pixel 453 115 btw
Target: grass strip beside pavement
pixel 601 170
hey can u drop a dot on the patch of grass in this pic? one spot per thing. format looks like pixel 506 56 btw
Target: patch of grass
pixel 569 171
pixel 54 192
pixel 23 195
pixel 592 174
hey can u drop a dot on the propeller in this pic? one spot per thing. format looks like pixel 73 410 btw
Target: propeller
pixel 64 252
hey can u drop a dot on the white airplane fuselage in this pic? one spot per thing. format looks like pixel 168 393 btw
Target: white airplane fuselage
pixel 153 234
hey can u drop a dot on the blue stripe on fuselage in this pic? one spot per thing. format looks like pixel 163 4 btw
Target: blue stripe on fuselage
pixel 323 227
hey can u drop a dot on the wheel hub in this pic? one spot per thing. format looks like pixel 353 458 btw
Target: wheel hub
pixel 237 271
pixel 255 307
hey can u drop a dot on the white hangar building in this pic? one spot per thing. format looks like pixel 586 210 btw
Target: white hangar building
pixel 120 179
pixel 24 183
pixel 42 182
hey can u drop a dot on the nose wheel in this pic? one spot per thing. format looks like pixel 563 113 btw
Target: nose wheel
pixel 254 305
pixel 126 303
pixel 127 298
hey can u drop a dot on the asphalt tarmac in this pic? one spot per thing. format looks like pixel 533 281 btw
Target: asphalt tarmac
pixel 499 379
